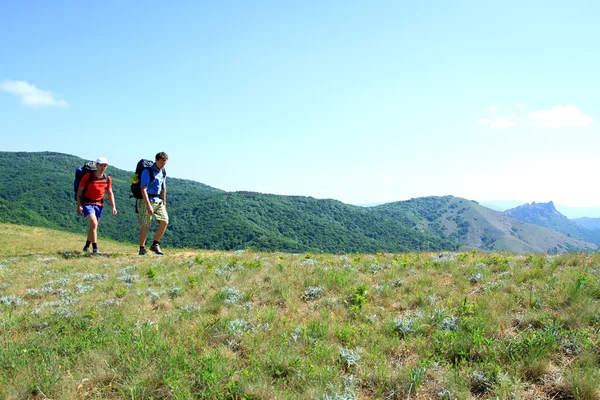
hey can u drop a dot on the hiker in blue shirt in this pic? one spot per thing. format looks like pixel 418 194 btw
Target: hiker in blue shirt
pixel 153 203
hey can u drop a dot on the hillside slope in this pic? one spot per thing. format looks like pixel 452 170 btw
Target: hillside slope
pixel 476 227
pixel 545 214
pixel 592 224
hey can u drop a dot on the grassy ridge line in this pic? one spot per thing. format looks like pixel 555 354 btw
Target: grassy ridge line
pixel 228 325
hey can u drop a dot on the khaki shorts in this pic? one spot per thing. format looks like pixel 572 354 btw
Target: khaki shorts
pixel 145 219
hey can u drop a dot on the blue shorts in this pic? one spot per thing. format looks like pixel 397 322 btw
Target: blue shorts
pixel 92 209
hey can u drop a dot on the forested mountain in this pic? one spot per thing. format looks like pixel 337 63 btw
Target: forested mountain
pixel 37 189
pixel 545 214
pixel 474 226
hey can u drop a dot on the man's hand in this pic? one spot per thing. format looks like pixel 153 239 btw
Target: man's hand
pixel 114 210
pixel 79 209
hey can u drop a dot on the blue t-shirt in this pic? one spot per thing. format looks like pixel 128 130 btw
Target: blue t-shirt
pixel 157 185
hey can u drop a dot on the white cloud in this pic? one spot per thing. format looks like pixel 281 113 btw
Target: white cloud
pixel 515 116
pixel 493 108
pixel 521 106
pixel 483 121
pixel 30 95
pixel 559 117
pixel 502 123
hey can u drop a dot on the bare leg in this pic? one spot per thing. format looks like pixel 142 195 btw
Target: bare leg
pixel 143 232
pixel 162 227
pixel 93 229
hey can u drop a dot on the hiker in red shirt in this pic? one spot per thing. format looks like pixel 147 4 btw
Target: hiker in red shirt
pixel 90 197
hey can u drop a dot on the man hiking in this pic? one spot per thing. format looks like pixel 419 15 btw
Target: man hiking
pixel 153 203
pixel 90 197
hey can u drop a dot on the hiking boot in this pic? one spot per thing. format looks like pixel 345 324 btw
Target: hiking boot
pixel 156 249
pixel 86 249
pixel 96 251
pixel 142 251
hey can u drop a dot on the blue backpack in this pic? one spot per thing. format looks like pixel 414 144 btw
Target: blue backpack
pixel 80 172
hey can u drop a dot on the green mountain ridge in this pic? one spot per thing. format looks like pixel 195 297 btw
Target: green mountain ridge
pixel 36 189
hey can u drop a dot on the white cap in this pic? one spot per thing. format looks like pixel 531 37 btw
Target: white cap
pixel 101 160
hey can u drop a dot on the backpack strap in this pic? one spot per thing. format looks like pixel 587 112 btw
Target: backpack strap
pixel 152 176
pixel 89 173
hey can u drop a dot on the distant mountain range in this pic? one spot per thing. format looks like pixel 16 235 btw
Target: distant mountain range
pixel 36 189
pixel 588 223
pixel 545 214
pixel 474 226
pixel 569 212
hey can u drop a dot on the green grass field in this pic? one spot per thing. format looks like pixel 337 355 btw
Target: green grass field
pixel 247 325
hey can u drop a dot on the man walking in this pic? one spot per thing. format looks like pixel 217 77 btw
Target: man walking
pixel 90 197
pixel 153 203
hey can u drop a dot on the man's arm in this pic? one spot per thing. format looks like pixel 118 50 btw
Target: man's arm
pixel 144 182
pixel 82 185
pixel 147 199
pixel 111 198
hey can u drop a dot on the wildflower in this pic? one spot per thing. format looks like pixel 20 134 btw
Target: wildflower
pixel 11 300
pixel 232 295
pixel 153 295
pixel 128 278
pixel 94 277
pixel 404 326
pixel 349 358
pixel 450 324
pixel 312 292
pixel 239 326
pixel 397 283
pixel 127 269
pixel 83 288
pixel 374 268
pixel 47 259
pixel 444 257
pixel 111 302
pixel 176 291
pixel 64 312
pixel 309 262
pixel 475 278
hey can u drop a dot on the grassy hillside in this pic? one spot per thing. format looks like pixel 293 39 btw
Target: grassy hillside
pixel 250 325
pixel 38 192
pixel 478 227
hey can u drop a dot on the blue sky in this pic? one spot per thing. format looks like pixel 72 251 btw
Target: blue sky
pixel 362 102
